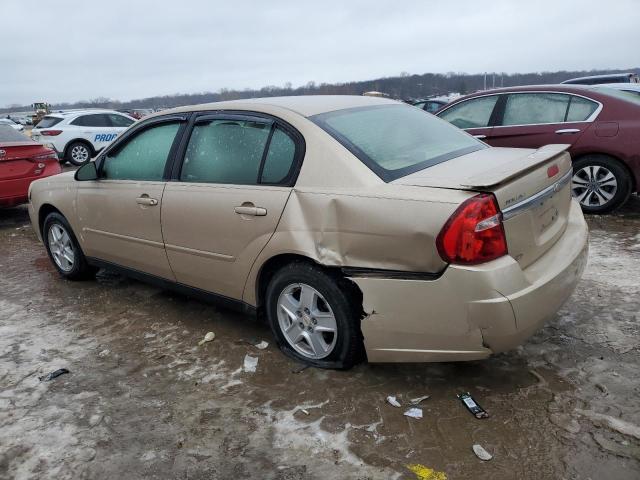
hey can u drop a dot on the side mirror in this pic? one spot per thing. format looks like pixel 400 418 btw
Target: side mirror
pixel 86 172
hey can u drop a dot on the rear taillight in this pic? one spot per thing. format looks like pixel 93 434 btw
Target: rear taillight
pixel 50 133
pixel 474 233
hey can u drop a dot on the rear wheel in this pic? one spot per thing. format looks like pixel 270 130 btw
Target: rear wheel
pixel 78 153
pixel 600 183
pixel 63 249
pixel 314 316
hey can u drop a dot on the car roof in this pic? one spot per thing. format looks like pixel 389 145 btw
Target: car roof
pixel 85 111
pixel 606 75
pixel 305 105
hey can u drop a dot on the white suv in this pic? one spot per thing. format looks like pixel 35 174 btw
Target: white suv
pixel 78 135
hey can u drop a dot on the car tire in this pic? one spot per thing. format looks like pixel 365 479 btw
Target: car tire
pixel 78 153
pixel 64 250
pixel 323 330
pixel 600 183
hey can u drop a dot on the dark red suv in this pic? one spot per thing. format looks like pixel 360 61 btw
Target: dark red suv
pixel 602 125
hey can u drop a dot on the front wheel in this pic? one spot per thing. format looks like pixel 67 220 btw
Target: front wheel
pixel 600 183
pixel 64 250
pixel 315 316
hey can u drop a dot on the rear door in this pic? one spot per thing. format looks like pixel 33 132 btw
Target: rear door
pixel 227 199
pixel 119 213
pixel 534 119
pixel 475 115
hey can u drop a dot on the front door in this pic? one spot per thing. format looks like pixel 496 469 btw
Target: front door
pixel 226 202
pixel 119 214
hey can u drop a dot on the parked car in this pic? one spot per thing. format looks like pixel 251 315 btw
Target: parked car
pixel 632 88
pixel 602 126
pixel 354 224
pixel 12 124
pixel 78 135
pixel 429 105
pixel 21 162
pixel 609 78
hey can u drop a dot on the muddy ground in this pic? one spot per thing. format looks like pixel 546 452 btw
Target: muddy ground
pixel 144 401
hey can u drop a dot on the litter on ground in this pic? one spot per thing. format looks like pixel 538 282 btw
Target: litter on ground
pixel 391 400
pixel 413 413
pixel 481 453
pixel 207 338
pixel 54 374
pixel 250 363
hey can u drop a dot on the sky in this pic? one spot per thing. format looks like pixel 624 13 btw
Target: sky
pixel 71 50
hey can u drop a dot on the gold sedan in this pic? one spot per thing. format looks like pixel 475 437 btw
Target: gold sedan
pixel 356 226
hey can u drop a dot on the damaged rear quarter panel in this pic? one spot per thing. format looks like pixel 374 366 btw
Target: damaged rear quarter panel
pixel 386 227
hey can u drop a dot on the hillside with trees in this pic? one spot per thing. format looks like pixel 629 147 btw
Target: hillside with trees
pixel 404 86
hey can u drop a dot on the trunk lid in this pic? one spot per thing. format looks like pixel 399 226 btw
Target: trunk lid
pixel 22 159
pixel 532 187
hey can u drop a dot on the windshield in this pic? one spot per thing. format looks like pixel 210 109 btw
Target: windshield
pixel 621 94
pixel 396 140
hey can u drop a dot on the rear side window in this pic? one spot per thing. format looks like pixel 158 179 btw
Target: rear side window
pixel 48 122
pixel 474 113
pixel 280 156
pixel 120 120
pixel 396 140
pixel 580 109
pixel 535 108
pixel 93 120
pixel 225 151
pixel 142 157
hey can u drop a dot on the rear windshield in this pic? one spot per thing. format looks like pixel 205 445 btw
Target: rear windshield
pixel 48 122
pixel 621 94
pixel 396 140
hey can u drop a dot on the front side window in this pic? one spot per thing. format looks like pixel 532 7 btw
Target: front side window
pixel 474 113
pixel 225 151
pixel 396 140
pixel 142 157
pixel 120 120
pixel 535 108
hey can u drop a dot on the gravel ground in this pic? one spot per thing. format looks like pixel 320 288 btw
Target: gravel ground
pixel 143 400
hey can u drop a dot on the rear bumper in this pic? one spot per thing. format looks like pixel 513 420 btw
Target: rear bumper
pixel 471 312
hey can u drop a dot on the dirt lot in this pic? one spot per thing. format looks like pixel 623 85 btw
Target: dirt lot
pixel 144 401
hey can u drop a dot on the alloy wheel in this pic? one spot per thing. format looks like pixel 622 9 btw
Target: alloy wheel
pixel 80 153
pixel 307 321
pixel 61 247
pixel 594 185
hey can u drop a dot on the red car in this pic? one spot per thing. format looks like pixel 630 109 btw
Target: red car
pixel 21 162
pixel 602 126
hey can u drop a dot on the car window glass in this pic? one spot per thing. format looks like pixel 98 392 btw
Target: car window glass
pixel 279 159
pixel 94 120
pixel 48 122
pixel 225 151
pixel 431 106
pixel 120 120
pixel 535 108
pixel 395 140
pixel 580 109
pixel 474 113
pixel 144 156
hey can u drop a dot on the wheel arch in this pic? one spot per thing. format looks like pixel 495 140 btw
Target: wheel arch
pixel 275 263
pixel 623 164
pixel 43 212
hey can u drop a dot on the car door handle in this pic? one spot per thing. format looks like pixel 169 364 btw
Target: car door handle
pixel 563 131
pixel 250 210
pixel 480 137
pixel 145 200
